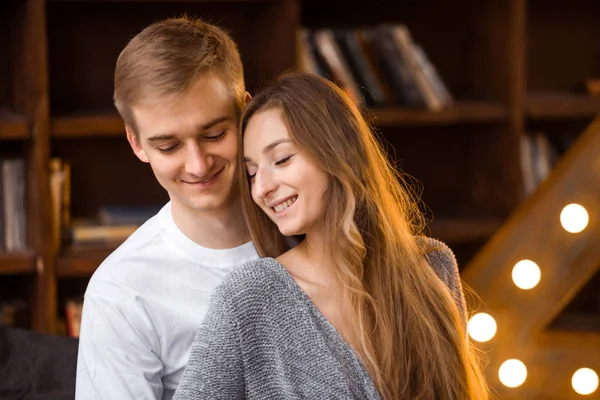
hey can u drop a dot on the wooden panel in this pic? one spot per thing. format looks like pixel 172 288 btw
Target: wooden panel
pixel 162 1
pixel 561 46
pixel 82 65
pixel 460 113
pixel 98 125
pixel 96 182
pixel 82 262
pixel 32 90
pixel 466 230
pixel 9 31
pixel 557 105
pixel 13 126
pixel 17 263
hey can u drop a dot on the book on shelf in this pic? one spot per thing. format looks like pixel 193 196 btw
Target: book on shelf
pixel 92 231
pixel 14 313
pixel 13 209
pixel 73 309
pixel 60 195
pixel 539 153
pixel 111 225
pixel 123 214
pixel 376 66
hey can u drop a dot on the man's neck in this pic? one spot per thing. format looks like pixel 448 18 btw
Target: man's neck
pixel 218 229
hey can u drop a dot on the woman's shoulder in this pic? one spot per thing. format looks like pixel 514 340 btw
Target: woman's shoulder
pixel 251 281
pixel 443 261
pixel 441 258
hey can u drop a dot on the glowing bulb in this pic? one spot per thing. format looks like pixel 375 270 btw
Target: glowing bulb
pixel 482 327
pixel 585 381
pixel 574 218
pixel 526 274
pixel 512 373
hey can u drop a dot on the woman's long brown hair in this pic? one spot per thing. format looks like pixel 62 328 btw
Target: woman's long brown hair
pixel 410 334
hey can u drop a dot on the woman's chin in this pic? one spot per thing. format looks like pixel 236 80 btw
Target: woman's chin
pixel 286 231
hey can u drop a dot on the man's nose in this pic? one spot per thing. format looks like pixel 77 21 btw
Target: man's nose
pixel 198 162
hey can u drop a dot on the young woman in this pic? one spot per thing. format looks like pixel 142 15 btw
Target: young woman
pixel 362 306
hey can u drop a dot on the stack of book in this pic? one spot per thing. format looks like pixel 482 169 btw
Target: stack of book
pixel 13 210
pixel 111 225
pixel 377 67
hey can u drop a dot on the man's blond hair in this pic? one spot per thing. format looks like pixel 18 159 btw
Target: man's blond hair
pixel 168 57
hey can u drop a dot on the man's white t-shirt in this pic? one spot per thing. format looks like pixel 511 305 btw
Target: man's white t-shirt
pixel 142 309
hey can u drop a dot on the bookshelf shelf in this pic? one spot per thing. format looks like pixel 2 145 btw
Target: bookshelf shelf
pixel 460 113
pixel 12 126
pixel 557 105
pixel 12 263
pixel 88 125
pixel 81 262
pixel 464 230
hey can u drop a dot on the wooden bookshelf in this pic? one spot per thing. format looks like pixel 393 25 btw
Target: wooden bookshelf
pixel 12 126
pixel 464 230
pixel 463 112
pixel 81 262
pixel 93 125
pixel 12 263
pixel 557 106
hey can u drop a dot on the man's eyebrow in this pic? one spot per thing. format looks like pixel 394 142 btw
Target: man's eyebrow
pixel 270 147
pixel 158 138
pixel 212 123
pixel 203 127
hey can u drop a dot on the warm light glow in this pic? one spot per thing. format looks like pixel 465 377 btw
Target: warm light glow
pixel 526 274
pixel 574 218
pixel 482 327
pixel 585 381
pixel 512 373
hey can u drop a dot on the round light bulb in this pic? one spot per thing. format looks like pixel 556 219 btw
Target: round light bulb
pixel 526 274
pixel 574 218
pixel 585 381
pixel 482 327
pixel 512 373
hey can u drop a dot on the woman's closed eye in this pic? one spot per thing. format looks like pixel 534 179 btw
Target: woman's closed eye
pixel 283 160
pixel 251 173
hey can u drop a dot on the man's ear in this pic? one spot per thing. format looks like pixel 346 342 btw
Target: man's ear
pixel 134 142
pixel 248 97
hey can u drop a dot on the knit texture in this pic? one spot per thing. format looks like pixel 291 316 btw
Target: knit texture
pixel 263 338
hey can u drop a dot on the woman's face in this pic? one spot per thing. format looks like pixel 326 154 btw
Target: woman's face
pixel 284 181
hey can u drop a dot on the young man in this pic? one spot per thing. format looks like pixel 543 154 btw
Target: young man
pixel 179 88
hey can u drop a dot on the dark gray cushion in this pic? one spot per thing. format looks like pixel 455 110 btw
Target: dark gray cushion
pixel 35 366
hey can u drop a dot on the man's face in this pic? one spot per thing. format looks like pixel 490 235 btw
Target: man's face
pixel 191 145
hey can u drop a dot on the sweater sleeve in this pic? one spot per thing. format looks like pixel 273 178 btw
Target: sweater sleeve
pixel 215 366
pixel 443 261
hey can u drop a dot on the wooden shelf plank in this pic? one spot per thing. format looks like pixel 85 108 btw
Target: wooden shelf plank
pixel 461 113
pixel 556 105
pixel 12 126
pixel 163 1
pixel 464 230
pixel 82 262
pixel 94 125
pixel 13 263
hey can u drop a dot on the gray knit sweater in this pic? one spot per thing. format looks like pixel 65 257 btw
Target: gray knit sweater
pixel 263 338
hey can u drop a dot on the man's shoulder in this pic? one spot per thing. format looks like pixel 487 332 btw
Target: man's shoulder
pixel 134 254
